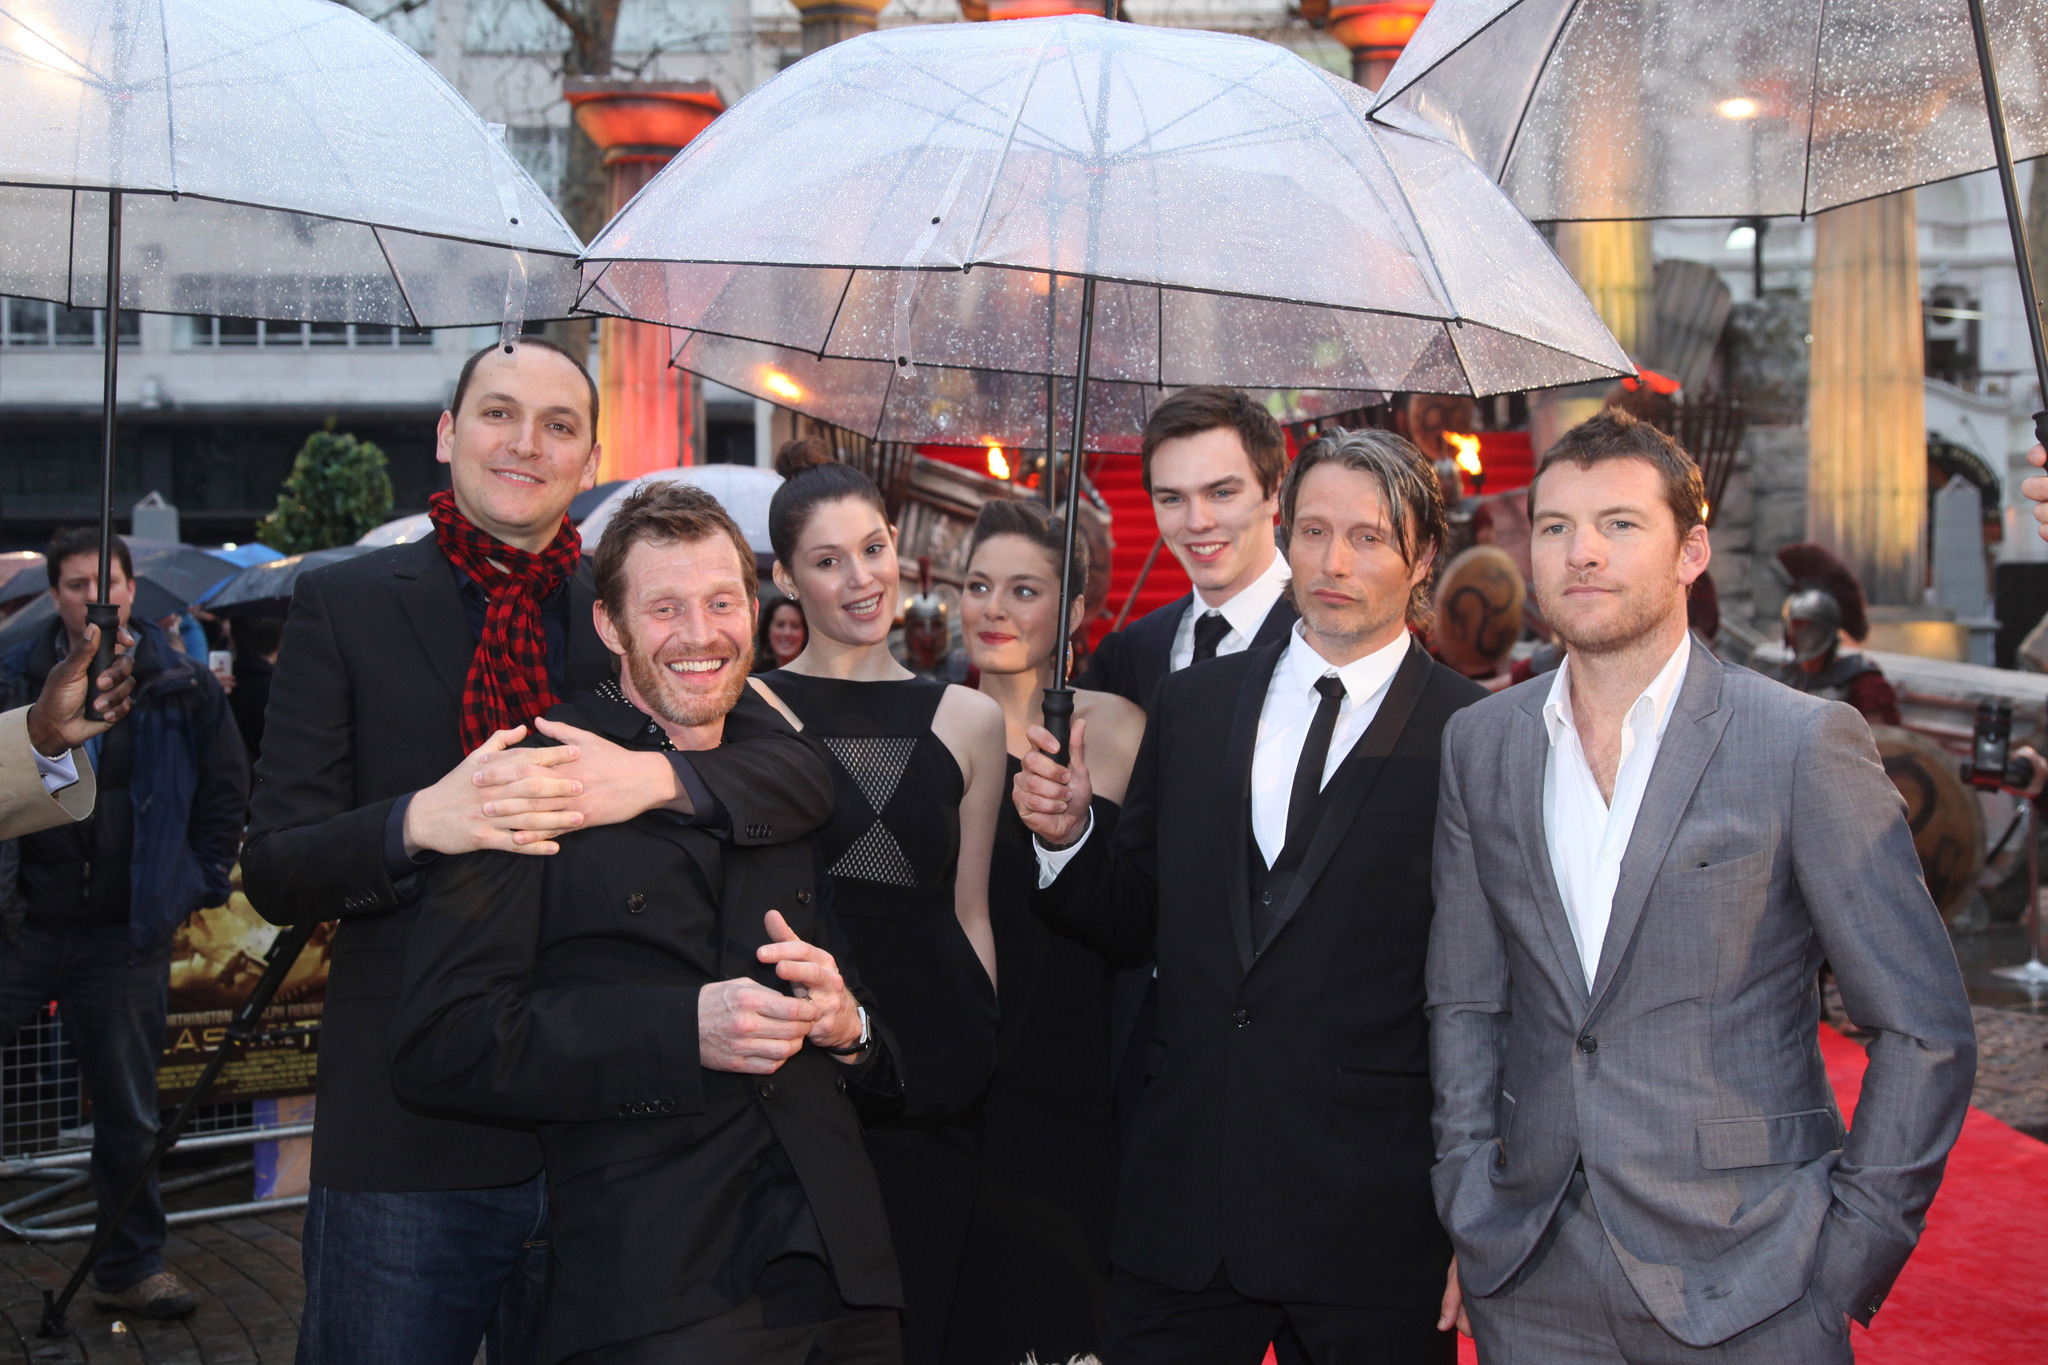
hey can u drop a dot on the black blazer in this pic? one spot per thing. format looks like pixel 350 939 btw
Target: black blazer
pixel 1284 1132
pixel 365 707
pixel 1132 662
pixel 563 991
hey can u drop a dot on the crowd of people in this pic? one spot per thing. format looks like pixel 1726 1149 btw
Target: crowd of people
pixel 712 987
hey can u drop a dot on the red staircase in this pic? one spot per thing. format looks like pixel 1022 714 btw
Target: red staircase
pixel 1131 525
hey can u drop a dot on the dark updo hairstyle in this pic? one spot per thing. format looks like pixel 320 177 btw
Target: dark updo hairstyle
pixel 811 477
pixel 1016 517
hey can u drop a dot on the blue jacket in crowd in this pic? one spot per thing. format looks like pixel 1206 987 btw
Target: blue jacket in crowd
pixel 189 788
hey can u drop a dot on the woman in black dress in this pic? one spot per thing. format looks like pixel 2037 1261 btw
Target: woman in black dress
pixel 920 775
pixel 1037 1262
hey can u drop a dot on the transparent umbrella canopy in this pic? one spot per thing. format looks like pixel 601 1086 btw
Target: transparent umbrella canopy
pixel 959 220
pixel 1735 108
pixel 282 159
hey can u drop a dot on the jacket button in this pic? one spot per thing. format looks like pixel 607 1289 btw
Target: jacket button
pixel 1266 899
pixel 635 903
pixel 625 1108
pixel 1242 1017
pixel 1589 1044
pixel 668 1106
pixel 803 895
pixel 767 1090
pixel 840 1081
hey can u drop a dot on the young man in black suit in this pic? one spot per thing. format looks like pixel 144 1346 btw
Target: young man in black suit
pixel 679 1018
pixel 1212 461
pixel 425 1232
pixel 1277 1171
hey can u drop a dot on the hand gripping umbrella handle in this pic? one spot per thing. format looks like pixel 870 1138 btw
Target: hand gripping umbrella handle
pixel 1059 718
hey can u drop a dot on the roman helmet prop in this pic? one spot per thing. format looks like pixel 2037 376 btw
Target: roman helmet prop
pixel 927 634
pixel 1825 603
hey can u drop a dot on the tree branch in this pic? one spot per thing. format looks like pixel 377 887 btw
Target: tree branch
pixel 579 29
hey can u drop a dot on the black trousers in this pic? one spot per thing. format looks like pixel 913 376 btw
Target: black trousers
pixel 795 1318
pixel 1152 1324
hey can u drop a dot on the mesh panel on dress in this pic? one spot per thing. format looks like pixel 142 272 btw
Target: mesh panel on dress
pixel 876 857
pixel 876 765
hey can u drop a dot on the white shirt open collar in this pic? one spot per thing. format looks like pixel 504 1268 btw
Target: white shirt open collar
pixel 1587 834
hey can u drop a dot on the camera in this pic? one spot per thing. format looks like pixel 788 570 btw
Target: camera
pixel 1991 766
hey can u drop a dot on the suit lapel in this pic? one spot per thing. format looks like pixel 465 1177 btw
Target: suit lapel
pixel 1697 723
pixel 589 663
pixel 1351 786
pixel 433 603
pixel 1152 660
pixel 1528 756
pixel 1280 619
pixel 1237 799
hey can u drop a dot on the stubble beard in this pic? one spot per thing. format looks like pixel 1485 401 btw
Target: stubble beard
pixel 1344 628
pixel 650 680
pixel 1639 619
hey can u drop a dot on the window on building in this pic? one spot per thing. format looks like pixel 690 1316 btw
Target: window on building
pixel 258 332
pixel 33 322
pixel 542 152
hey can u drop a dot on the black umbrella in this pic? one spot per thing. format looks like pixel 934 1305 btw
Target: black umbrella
pixel 153 602
pixel 189 574
pixel 266 589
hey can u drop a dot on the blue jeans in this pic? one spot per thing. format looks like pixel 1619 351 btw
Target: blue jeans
pixel 113 1015
pixel 421 1278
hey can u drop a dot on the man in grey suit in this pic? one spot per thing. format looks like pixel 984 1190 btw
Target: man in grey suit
pixel 1642 861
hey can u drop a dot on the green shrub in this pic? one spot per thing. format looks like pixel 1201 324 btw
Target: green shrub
pixel 337 492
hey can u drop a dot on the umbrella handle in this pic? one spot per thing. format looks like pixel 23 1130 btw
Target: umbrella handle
pixel 107 617
pixel 2041 427
pixel 1059 718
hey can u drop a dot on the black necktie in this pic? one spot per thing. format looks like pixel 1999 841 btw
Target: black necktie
pixel 1210 628
pixel 1315 752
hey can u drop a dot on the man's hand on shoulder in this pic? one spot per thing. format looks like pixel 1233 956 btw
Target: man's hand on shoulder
pixel 744 1027
pixel 59 720
pixel 615 784
pixel 500 797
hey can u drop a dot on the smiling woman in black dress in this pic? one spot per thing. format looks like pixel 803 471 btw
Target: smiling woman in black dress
pixel 920 772
pixel 1037 1262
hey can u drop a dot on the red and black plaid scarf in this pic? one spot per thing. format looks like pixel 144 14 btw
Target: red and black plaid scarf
pixel 508 676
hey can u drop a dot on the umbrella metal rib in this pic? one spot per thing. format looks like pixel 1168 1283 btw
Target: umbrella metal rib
pixel 2030 302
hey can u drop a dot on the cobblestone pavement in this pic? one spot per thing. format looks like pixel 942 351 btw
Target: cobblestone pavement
pixel 245 1272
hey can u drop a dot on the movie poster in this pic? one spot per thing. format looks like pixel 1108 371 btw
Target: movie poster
pixel 216 960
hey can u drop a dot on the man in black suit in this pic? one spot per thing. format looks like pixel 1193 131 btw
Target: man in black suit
pixel 425 1233
pixel 1212 460
pixel 1277 1171
pixel 679 1018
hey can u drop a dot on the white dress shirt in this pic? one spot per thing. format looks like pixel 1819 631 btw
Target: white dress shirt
pixel 1290 706
pixel 57 773
pixel 1587 836
pixel 1246 612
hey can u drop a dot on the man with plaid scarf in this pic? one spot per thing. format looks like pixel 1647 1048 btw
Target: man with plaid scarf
pixel 404 679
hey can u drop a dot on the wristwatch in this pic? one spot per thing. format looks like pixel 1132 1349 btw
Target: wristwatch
pixel 867 1036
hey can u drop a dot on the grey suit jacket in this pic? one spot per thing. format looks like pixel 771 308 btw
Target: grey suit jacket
pixel 1689 1079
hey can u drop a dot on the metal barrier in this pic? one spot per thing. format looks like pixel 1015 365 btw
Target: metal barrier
pixel 66 1172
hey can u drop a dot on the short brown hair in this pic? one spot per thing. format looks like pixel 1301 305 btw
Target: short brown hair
pixel 1206 407
pixel 1617 435
pixel 665 512
pixel 83 540
pixel 1408 482
pixel 1029 519
pixel 537 343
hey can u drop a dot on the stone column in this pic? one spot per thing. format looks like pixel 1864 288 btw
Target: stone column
pixel 645 415
pixel 1611 262
pixel 1375 33
pixel 1867 483
pixel 826 22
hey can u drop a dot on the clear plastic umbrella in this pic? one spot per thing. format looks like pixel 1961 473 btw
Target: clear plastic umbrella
pixel 1737 108
pixel 283 159
pixel 972 213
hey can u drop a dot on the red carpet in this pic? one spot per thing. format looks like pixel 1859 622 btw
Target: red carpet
pixel 1976 1291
